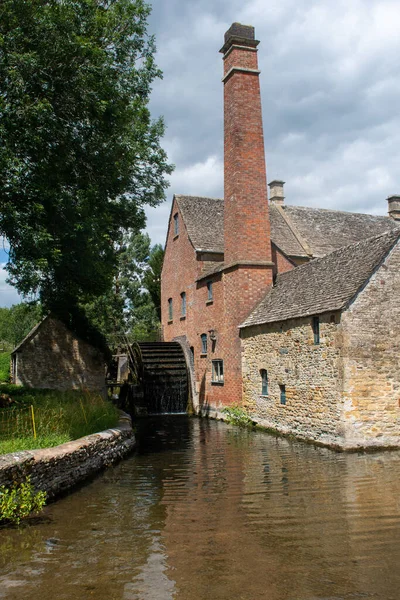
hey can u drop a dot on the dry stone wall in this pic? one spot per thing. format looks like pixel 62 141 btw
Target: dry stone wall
pixel 311 374
pixel 56 470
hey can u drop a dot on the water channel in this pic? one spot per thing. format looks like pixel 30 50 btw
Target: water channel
pixel 204 510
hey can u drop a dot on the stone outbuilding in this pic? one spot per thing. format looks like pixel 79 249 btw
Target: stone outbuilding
pixel 321 351
pixel 53 357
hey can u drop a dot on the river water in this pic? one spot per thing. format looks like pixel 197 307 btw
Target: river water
pixel 204 510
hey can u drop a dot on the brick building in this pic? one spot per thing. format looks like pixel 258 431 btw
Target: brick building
pixel 223 255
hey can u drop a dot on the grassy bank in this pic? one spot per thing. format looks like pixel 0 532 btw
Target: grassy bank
pixel 56 417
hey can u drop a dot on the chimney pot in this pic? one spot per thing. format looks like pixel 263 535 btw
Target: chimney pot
pixel 394 207
pixel 276 191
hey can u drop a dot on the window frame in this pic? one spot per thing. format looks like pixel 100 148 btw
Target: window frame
pixel 282 388
pixel 264 382
pixel 204 343
pixel 170 309
pixel 316 330
pixel 176 224
pixel 210 297
pixel 217 371
pixel 183 304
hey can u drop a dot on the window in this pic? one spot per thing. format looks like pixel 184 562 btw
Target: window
pixel 209 291
pixel 176 224
pixel 264 382
pixel 283 394
pixel 170 309
pixel 315 326
pixel 217 371
pixel 183 304
pixel 203 338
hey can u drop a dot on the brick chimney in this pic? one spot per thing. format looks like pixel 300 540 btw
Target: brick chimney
pixel 394 207
pixel 246 218
pixel 276 194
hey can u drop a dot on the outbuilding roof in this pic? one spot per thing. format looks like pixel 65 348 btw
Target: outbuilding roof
pixel 324 284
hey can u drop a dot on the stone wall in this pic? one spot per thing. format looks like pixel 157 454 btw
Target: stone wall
pixel 371 359
pixel 311 374
pixel 53 357
pixel 56 470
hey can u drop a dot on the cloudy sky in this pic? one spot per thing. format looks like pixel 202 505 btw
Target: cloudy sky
pixel 330 84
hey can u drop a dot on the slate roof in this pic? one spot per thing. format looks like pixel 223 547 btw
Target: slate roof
pixel 204 220
pixel 324 284
pixel 297 231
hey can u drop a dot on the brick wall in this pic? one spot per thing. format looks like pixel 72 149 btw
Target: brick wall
pixel 55 358
pixel 371 351
pixel 311 374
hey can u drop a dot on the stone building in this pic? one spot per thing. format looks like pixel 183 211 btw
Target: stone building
pixel 223 255
pixel 321 351
pixel 53 357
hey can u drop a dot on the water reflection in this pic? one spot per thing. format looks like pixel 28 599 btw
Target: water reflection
pixel 204 510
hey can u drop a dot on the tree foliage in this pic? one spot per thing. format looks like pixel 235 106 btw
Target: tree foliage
pixel 16 322
pixel 79 153
pixel 132 306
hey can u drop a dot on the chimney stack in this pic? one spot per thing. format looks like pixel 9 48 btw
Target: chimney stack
pixel 394 207
pixel 246 218
pixel 276 194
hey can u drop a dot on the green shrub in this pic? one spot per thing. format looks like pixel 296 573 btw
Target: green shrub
pixel 4 366
pixel 236 415
pixel 19 501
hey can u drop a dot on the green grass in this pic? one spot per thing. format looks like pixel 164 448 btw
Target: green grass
pixel 4 366
pixel 59 417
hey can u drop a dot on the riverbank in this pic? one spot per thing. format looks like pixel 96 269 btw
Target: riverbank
pixel 56 470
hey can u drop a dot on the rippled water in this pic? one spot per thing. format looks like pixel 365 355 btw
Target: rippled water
pixel 207 511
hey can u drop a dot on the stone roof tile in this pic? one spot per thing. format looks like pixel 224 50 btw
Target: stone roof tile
pixel 297 231
pixel 204 220
pixel 324 284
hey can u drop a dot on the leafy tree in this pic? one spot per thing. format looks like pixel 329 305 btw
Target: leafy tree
pixel 79 153
pixel 129 307
pixel 152 277
pixel 16 322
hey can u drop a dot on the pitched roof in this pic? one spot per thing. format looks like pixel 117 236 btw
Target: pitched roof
pixel 30 335
pixel 204 220
pixel 324 284
pixel 327 230
pixel 297 231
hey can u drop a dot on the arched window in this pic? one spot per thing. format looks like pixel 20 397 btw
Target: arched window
pixel 264 382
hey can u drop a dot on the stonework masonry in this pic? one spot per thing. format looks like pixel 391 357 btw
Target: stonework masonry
pixel 343 391
pixel 371 360
pixel 56 470
pixel 53 357
pixel 311 374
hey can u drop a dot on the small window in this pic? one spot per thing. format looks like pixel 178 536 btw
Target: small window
pixel 176 224
pixel 217 371
pixel 264 382
pixel 203 338
pixel 315 326
pixel 283 394
pixel 183 304
pixel 209 291
pixel 170 309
